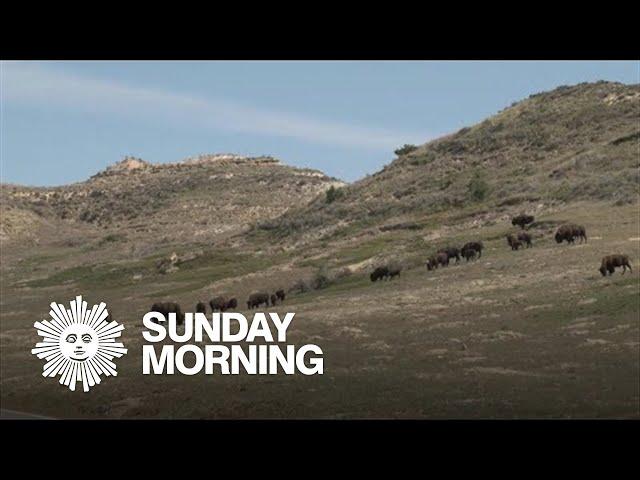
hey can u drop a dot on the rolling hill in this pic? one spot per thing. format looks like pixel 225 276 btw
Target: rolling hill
pixel 198 199
pixel 566 145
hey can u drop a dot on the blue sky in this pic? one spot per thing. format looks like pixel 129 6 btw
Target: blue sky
pixel 64 121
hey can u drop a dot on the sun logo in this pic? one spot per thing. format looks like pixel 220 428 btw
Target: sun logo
pixel 79 344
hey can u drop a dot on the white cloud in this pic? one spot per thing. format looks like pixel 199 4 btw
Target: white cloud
pixel 45 87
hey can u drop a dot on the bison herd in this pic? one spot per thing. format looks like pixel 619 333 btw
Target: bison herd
pixel 473 250
pixel 469 251
pixel 220 304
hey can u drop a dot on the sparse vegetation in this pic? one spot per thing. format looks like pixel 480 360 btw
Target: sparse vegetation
pixel 155 197
pixel 401 226
pixel 423 159
pixel 112 238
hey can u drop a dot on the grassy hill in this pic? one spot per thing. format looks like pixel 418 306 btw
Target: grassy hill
pixel 138 213
pixel 570 144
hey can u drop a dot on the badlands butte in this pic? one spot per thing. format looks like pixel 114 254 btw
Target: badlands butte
pixel 532 333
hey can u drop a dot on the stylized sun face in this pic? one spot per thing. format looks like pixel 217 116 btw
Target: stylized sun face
pixel 79 344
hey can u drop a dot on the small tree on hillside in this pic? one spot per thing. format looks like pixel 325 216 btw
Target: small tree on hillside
pixel 478 188
pixel 320 279
pixel 332 194
pixel 405 149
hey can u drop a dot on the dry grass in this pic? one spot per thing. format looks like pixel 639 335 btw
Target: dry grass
pixel 534 333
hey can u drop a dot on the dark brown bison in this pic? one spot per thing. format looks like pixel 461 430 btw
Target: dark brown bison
pixel 394 271
pixel 165 308
pixel 570 232
pixel 610 262
pixel 379 273
pixel 257 299
pixel 468 253
pixel 231 304
pixel 471 249
pixel 218 303
pixel 525 238
pixel 280 294
pixel 385 272
pixel 201 307
pixel 452 252
pixel 274 299
pixel 513 242
pixel 522 220
pixel 440 258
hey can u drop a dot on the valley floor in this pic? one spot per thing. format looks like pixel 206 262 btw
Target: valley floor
pixel 536 333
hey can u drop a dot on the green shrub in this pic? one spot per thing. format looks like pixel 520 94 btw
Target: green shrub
pixel 113 237
pixel 300 286
pixel 405 149
pixel 333 194
pixel 478 188
pixel 423 159
pixel 320 279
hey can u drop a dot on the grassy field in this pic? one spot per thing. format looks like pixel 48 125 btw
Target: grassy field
pixel 536 333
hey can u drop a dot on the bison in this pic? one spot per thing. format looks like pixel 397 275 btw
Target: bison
pixel 522 220
pixel 218 303
pixel 469 247
pixel 394 271
pixel 525 238
pixel 610 262
pixel 379 273
pixel 257 299
pixel 569 232
pixel 201 307
pixel 452 252
pixel 231 304
pixel 513 242
pixel 468 253
pixel 440 258
pixel 280 294
pixel 385 272
pixel 165 308
pixel 274 299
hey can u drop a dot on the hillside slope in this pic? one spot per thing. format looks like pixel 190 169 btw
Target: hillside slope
pixel 570 144
pixel 199 199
